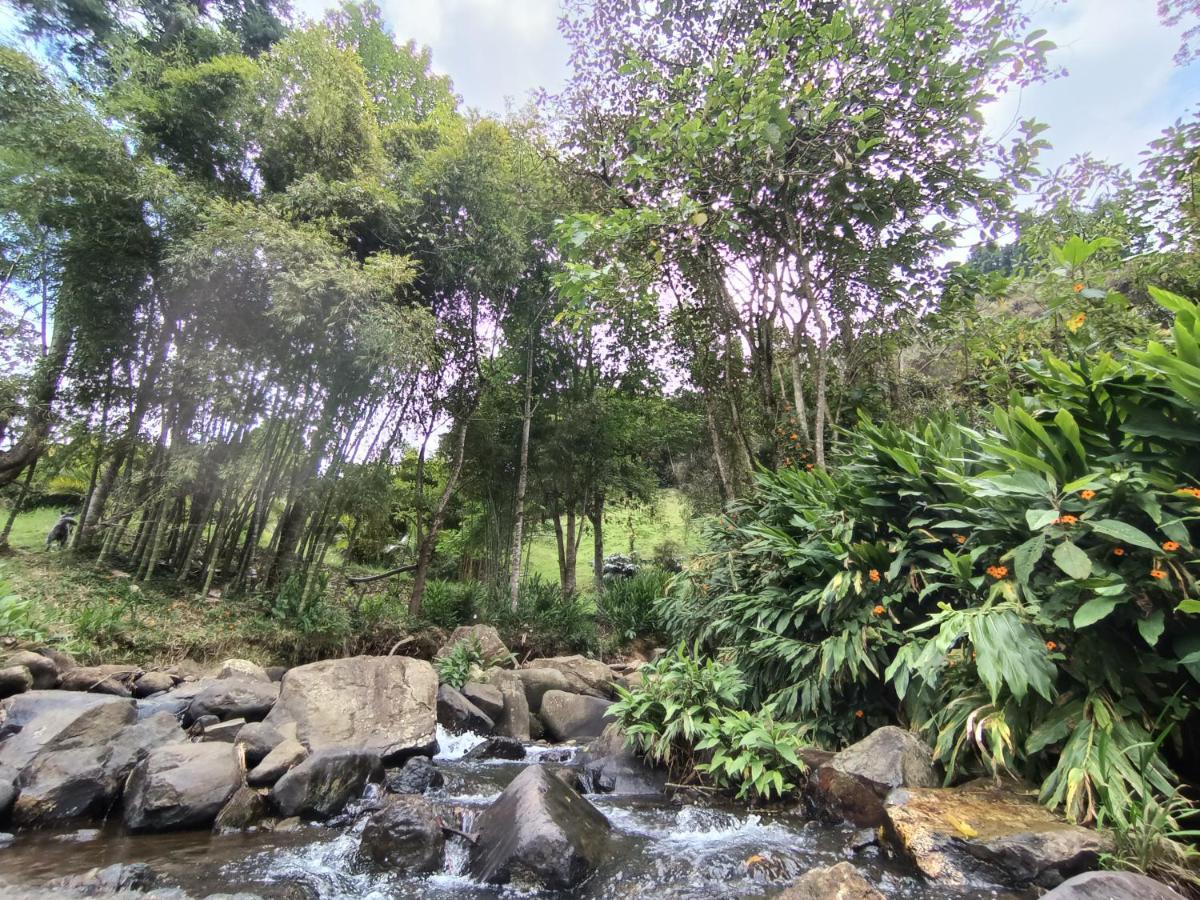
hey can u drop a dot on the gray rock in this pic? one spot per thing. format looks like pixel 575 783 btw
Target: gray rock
pixel 541 831
pixel 117 879
pixel 586 676
pixel 168 703
pixel 573 716
pixel 136 741
pixel 226 732
pixel 537 682
pixel 403 837
pixel 840 882
pixel 15 680
pixel 258 739
pixel 60 658
pixel 8 790
pixel 109 679
pixel 245 809
pixel 204 722
pixel 608 765
pixel 181 786
pixel 276 673
pixel 493 649
pixel 497 747
pixel 416 777
pixel 56 720
pixel 235 698
pixel 485 696
pixel 242 668
pixel 457 714
pixel 383 704
pixel 284 756
pixel 852 785
pixel 323 784
pixel 514 721
pixel 43 669
pixel 64 785
pixel 1112 886
pixel 153 683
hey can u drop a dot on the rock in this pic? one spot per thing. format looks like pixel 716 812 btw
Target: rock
pixel 225 732
pixel 43 669
pixel 486 697
pixel 586 676
pixel 570 717
pixel 8 790
pixel 244 810
pixel 242 668
pixel 840 882
pixel 854 782
pixel 537 682
pixel 257 739
pixel 181 786
pixel 405 836
pixel 494 651
pixel 55 720
pixel 416 777
pixel 276 673
pixel 323 784
pixel 63 785
pixel 608 765
pixel 168 703
pixel 1112 886
pixel 15 680
pixel 60 658
pixel 153 683
pixel 136 741
pixel 457 714
pixel 117 879
pixel 384 704
pixel 235 698
pixel 114 679
pixel 204 722
pixel 514 721
pixel 497 747
pixel 983 833
pixel 540 831
pixel 537 728
pixel 284 756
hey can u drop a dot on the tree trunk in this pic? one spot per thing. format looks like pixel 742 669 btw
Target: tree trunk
pixel 429 544
pixel 726 485
pixel 596 517
pixel 17 504
pixel 40 413
pixel 518 532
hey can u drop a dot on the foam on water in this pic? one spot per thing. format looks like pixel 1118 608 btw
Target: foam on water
pixel 455 746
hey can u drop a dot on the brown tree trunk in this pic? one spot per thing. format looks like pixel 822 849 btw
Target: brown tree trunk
pixel 429 544
pixel 518 532
pixel 40 414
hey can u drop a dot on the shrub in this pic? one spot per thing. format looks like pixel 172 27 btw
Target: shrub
pixel 546 620
pixel 753 753
pixel 18 616
pixel 465 661
pixel 627 608
pixel 448 604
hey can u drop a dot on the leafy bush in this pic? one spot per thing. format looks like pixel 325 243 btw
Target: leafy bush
pixel 448 604
pixel 18 617
pixel 546 620
pixel 465 661
pixel 1025 594
pixel 317 623
pixel 753 753
pixel 627 608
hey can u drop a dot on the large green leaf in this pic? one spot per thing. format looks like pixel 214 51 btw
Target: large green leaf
pixel 1038 519
pixel 1072 560
pixel 1010 653
pixel 1123 532
pixel 1094 610
pixel 1152 626
pixel 1026 556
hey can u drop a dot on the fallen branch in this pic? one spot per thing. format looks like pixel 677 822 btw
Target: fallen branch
pixel 367 579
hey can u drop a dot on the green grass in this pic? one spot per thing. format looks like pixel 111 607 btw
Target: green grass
pixel 30 529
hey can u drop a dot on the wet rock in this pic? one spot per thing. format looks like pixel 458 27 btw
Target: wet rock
pixel 56 720
pixel 457 714
pixel 404 836
pixel 276 673
pixel 384 704
pixel 486 697
pixel 323 784
pixel 540 831
pixel 608 765
pixel 586 676
pixel 181 786
pixel 497 747
pixel 1112 886
pixel 136 741
pixel 840 882
pixel 537 728
pixel 982 833
pixel 224 732
pixel 111 679
pixel 257 739
pixel 153 683
pixel 569 717
pixel 538 682
pixel 113 879
pixel 163 703
pixel 201 724
pixel 514 721
pixel 416 777
pixel 853 783
pixel 64 785
pixel 15 680
pixel 6 839
pixel 43 669
pixel 8 790
pixel 244 810
pixel 242 668
pixel 60 658
pixel 494 651
pixel 235 698
pixel 283 757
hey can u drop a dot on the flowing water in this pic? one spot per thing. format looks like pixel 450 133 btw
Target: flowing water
pixel 661 849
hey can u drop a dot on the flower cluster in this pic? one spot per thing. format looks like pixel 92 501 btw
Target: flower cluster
pixel 998 572
pixel 1191 492
pixel 1067 520
pixel 1087 495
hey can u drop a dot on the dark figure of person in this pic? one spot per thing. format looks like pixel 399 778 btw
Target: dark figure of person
pixel 61 532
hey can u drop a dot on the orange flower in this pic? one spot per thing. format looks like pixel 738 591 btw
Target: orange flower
pixel 961 538
pixel 878 610
pixel 1076 322
pixel 1079 287
pixel 997 572
pixel 809 467
pixel 1087 495
pixel 1118 551
pixel 1158 573
pixel 1051 646
pixel 1171 546
pixel 795 437
pixel 1066 520
pixel 858 714
pixel 1193 492
pixel 875 575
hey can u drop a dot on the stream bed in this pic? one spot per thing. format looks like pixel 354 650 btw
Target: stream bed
pixel 660 848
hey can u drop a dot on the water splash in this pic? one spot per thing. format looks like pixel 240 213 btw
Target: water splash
pixel 455 746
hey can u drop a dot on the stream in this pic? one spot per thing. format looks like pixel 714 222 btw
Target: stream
pixel 661 848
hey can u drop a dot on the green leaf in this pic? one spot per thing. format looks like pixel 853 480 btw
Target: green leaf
pixel 1188 606
pixel 1026 557
pixel 1094 610
pixel 1151 627
pixel 1127 534
pixel 1040 518
pixel 1072 560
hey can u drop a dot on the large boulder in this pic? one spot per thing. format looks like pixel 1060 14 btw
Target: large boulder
pixel 242 668
pixel 383 704
pixel 570 717
pixel 181 786
pixel 840 882
pixel 43 669
pixel 257 739
pixel 609 765
pixel 852 785
pixel 284 756
pixel 244 810
pixel 54 720
pixel 136 741
pixel 326 782
pixel 539 831
pixel 539 682
pixel 416 777
pixel 977 833
pixel 153 683
pixel 584 675
pixel 234 698
pixel 514 720
pixel 457 714
pixel 109 679
pixel 403 837
pixel 15 680
pixel 490 645
pixel 63 785
pixel 497 747
pixel 1112 886
pixel 486 697
pixel 8 790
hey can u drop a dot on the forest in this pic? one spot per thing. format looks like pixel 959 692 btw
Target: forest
pixel 752 343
